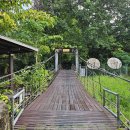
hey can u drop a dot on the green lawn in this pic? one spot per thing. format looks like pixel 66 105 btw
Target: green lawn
pixel 114 84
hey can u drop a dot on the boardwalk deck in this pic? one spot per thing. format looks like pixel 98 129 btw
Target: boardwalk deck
pixel 65 106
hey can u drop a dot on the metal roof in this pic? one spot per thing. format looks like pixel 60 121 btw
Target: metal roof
pixel 10 46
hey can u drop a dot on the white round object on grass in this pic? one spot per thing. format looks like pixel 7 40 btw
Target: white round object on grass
pixel 114 63
pixel 93 63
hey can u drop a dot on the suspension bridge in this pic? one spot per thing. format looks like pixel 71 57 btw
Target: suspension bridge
pixel 65 104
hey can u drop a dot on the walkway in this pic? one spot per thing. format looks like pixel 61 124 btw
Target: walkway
pixel 65 106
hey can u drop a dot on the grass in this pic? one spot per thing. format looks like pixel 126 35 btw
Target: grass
pixel 114 84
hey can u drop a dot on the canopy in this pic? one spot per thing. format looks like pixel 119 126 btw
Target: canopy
pixel 10 46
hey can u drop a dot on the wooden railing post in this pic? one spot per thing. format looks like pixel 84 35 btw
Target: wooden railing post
pixel 118 109
pixel 104 97
pixel 56 61
pixel 93 84
pixel 12 115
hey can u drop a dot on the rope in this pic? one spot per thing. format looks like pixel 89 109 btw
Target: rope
pixel 105 71
pixel 28 67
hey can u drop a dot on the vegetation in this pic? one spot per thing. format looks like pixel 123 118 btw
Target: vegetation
pixel 94 85
pixel 98 28
pixel 34 80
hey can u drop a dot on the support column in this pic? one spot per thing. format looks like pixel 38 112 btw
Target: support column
pixel 11 65
pixel 56 60
pixel 76 60
pixel 11 68
pixel 36 57
pixel 86 71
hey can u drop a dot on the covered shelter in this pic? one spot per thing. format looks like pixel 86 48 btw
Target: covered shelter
pixel 9 46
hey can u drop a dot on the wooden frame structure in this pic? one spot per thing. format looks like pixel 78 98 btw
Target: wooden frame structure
pixel 66 50
pixel 9 46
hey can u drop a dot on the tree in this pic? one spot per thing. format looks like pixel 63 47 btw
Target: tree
pixel 13 5
pixel 99 26
pixel 6 22
pixel 34 28
pixel 38 4
pixel 95 27
pixel 44 5
pixel 8 9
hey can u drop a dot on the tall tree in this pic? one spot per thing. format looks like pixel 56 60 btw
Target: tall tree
pixel 7 11
pixel 100 26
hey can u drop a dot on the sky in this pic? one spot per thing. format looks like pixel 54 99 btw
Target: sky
pixel 27 7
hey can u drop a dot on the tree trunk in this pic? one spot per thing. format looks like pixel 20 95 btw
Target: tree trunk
pixel 80 2
pixel 50 6
pixel 44 5
pixel 38 5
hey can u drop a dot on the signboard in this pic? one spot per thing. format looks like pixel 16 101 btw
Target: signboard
pixel 93 63
pixel 114 63
pixel 66 50
pixel 82 71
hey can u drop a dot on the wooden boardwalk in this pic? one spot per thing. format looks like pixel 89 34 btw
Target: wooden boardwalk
pixel 65 106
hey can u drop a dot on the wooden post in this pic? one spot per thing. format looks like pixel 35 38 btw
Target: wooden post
pixel 11 68
pixel 93 84
pixel 79 69
pixel 11 64
pixel 56 60
pixel 76 60
pixel 118 110
pixel 104 98
pixel 12 116
pixel 86 71
pixel 36 57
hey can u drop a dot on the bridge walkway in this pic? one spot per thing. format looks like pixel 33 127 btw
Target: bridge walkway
pixel 65 106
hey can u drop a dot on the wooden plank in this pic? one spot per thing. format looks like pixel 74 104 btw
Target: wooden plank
pixel 66 106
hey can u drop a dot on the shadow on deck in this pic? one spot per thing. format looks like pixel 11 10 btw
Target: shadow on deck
pixel 65 106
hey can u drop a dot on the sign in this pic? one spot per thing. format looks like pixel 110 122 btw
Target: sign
pixel 66 50
pixel 114 63
pixel 93 63
pixel 82 71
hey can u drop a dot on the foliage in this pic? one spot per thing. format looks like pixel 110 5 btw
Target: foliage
pixel 34 28
pixel 7 11
pixel 124 56
pixel 4 98
pixel 114 84
pixel 13 5
pixel 32 79
pixel 99 27
pixel 4 92
pixel 6 22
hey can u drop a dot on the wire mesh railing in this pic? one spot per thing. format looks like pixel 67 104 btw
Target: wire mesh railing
pixel 111 90
pixel 26 85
